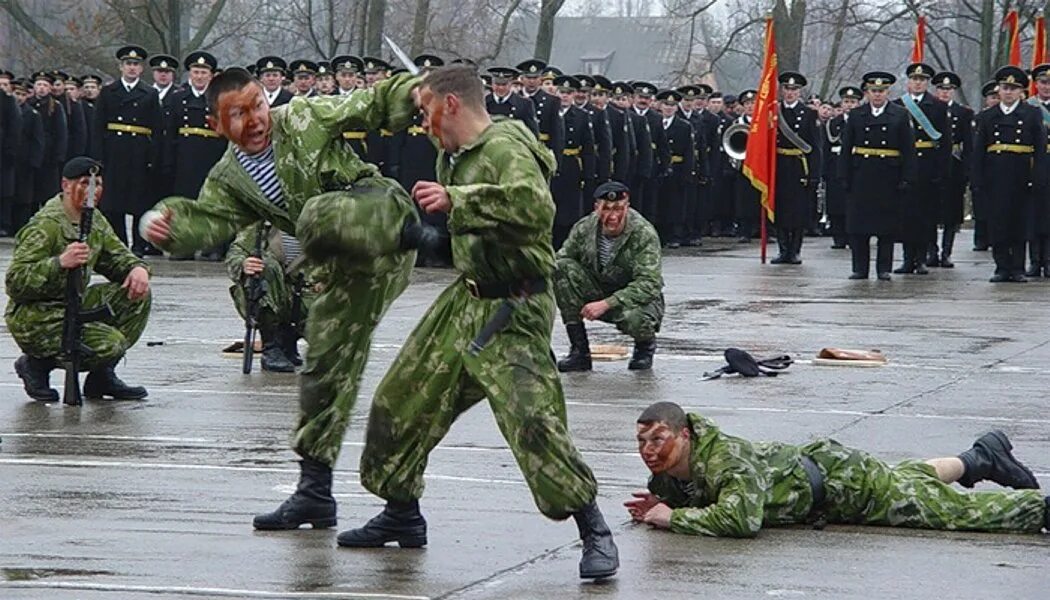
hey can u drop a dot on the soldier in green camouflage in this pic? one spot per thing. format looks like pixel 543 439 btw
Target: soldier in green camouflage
pixel 290 168
pixel 705 482
pixel 609 270
pixel 46 249
pixel 493 183
pixel 289 293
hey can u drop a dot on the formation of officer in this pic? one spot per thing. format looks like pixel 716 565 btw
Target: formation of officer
pixel 798 168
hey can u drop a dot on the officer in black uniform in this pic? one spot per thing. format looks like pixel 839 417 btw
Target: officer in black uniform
pixel 661 165
pixel 678 187
pixel 642 164
pixel 625 152
pixel 952 194
pixel 304 77
pixel 692 108
pixel 933 150
pixel 162 68
pixel 548 113
pixel 603 145
pixel 29 158
pixel 746 198
pixel 567 184
pixel 834 193
pixel 989 98
pixel 77 137
pixel 56 136
pixel 326 79
pixel 377 141
pixel 271 70
pixel 10 139
pixel 619 127
pixel 876 165
pixel 127 139
pixel 1009 170
pixel 721 172
pixel 503 102
pixel 346 69
pixel 798 168
pixel 1039 238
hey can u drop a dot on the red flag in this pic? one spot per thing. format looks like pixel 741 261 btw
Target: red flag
pixel 760 164
pixel 1012 24
pixel 918 49
pixel 1038 49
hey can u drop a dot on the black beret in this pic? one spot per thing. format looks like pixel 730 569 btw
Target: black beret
pixel 80 166
pixel 611 191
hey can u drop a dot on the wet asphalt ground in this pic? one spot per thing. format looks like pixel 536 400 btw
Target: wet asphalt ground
pixel 154 499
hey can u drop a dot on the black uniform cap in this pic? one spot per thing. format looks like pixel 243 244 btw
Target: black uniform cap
pixel 747 95
pixel 374 65
pixel 428 61
pixel 622 88
pixel 532 68
pixel 270 63
pixel 1011 75
pixel 878 80
pixel 919 70
pixel 990 88
pixel 201 59
pixel 669 96
pixel 1041 71
pixel 947 79
pixel 308 67
pixel 43 75
pixel 80 166
pixel 602 84
pixel 850 91
pixel 502 75
pixel 324 68
pixel 132 52
pixel 550 72
pixel 163 62
pixel 567 82
pixel 95 78
pixel 643 88
pixel 792 79
pixel 611 191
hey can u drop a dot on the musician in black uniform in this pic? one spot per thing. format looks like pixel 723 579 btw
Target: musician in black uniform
pixel 567 184
pixel 270 70
pixel 127 139
pixel 661 165
pixel 746 198
pixel 548 113
pixel 876 165
pixel 952 193
pixel 834 193
pixel 29 158
pixel 503 102
pixel 642 163
pixel 1039 236
pixel 798 168
pixel 677 188
pixel 693 109
pixel 56 136
pixel 720 170
pixel 1010 170
pixel 933 151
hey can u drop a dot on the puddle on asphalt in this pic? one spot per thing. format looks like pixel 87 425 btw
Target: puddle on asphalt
pixel 26 574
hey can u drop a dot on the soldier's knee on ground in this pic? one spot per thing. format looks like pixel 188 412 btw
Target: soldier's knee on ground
pixel 354 225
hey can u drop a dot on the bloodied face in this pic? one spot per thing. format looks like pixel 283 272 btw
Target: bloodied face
pixel 244 118
pixel 661 447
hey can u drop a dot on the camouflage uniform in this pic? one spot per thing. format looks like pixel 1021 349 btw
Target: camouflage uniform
pixel 278 303
pixel 348 219
pixel 501 220
pixel 739 486
pixel 36 284
pixel 631 282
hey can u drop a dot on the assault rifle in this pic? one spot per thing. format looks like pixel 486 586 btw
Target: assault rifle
pixel 254 292
pixel 73 348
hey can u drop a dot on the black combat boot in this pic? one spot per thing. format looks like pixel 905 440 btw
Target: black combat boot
pixel 990 458
pixel 290 345
pixel 947 244
pixel 579 358
pixel 36 377
pixel 311 503
pixel 399 522
pixel 795 239
pixel 273 357
pixel 600 556
pixel 104 382
pixel 642 359
pixel 1035 263
pixel 783 249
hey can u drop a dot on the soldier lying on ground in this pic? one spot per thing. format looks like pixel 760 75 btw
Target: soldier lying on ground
pixel 705 482
pixel 46 249
pixel 609 270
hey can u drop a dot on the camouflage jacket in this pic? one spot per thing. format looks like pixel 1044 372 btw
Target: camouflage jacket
pixel 502 211
pixel 736 486
pixel 35 275
pixel 634 273
pixel 310 157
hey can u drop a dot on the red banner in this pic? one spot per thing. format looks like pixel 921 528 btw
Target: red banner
pixel 1012 24
pixel 760 164
pixel 918 48
pixel 1038 49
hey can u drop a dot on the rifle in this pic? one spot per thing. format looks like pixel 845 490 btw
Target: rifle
pixel 73 348
pixel 255 291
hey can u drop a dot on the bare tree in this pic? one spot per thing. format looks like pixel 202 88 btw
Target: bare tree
pixel 545 32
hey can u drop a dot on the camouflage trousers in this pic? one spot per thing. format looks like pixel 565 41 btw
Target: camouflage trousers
pixel 278 303
pixel 37 327
pixel 575 285
pixel 354 235
pixel 434 379
pixel 862 489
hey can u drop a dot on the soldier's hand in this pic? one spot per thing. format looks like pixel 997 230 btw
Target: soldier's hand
pixel 594 310
pixel 252 266
pixel 74 256
pixel 136 283
pixel 156 226
pixel 431 196
pixel 640 504
pixel 658 516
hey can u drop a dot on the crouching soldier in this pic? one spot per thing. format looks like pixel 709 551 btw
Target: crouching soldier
pixel 46 250
pixel 289 293
pixel 609 269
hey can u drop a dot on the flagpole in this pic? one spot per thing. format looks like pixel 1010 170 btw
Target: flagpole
pixel 762 228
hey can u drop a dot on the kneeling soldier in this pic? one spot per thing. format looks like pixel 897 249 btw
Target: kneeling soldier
pixel 609 269
pixel 282 310
pixel 46 249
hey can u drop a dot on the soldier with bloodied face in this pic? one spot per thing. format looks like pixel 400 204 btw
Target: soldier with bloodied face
pixel 706 482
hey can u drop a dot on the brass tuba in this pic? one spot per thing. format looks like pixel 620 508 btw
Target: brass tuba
pixel 734 143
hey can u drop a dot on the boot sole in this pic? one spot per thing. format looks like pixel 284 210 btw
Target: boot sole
pixel 314 523
pixel 599 574
pixel 411 542
pixel 1005 447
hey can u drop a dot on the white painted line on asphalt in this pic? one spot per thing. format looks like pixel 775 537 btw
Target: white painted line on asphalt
pixel 103 438
pixel 199 591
